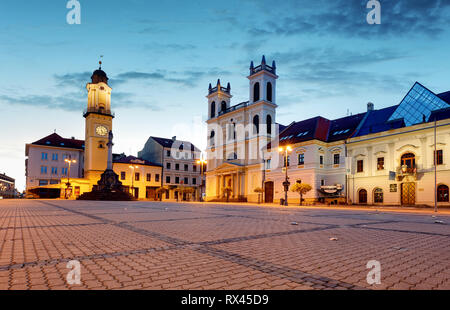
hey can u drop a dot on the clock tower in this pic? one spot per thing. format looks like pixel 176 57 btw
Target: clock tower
pixel 98 124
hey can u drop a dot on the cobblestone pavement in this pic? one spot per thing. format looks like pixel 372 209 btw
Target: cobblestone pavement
pixel 153 245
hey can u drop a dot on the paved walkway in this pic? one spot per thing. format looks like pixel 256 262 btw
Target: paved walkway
pixel 153 245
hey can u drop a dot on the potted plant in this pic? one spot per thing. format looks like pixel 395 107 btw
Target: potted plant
pixel 301 189
pixel 259 190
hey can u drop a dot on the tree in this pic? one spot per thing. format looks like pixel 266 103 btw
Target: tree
pixel 228 190
pixel 258 190
pixel 302 189
pixel 160 191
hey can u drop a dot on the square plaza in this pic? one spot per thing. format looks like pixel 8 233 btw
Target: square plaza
pixel 194 246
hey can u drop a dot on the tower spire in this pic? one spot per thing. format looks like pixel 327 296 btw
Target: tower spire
pixel 100 62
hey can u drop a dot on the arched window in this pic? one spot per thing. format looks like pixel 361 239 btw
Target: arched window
pixel 269 91
pixel 223 106
pixel 256 125
pixel 269 124
pixel 211 138
pixel 442 193
pixel 409 159
pixel 362 195
pixel 256 92
pixel 213 109
pixel 378 195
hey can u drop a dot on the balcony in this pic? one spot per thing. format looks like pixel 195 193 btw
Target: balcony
pixel 234 108
pixel 406 171
pixel 88 111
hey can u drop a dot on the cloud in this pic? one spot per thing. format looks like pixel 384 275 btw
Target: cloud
pixel 348 18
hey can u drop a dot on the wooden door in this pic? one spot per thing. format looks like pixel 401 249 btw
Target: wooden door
pixel 408 193
pixel 268 192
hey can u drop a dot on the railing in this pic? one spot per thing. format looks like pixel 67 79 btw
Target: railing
pixel 222 89
pixel 234 108
pixel 405 170
pixel 262 67
pixel 98 111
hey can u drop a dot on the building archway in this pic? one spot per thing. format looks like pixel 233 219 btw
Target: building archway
pixel 362 196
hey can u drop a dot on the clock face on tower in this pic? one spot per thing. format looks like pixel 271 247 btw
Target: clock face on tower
pixel 101 130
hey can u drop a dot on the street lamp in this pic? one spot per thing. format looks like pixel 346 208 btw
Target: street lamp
pixel 286 181
pixel 70 161
pixel 132 178
pixel 201 162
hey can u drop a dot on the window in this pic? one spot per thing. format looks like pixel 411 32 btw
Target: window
pixel 256 125
pixel 360 166
pixel 43 169
pixel 336 158
pixel 167 179
pixel 378 195
pixel 157 177
pixel 269 124
pixel 439 157
pixel 186 181
pixel 213 109
pixel 268 163
pixel 136 176
pixel 55 156
pixel 211 138
pixel 194 168
pixel 380 163
pixel 286 160
pixel 167 165
pixel 43 182
pixel 122 175
pixel 44 156
pixel 194 181
pixel 301 159
pixel 269 91
pixel 362 195
pixel 177 166
pixel 223 106
pixel 149 177
pixel 54 181
pixel 321 159
pixel 177 180
pixel 442 193
pixel 54 170
pixel 409 159
pixel 256 92
pixel 64 171
pixel 322 182
pixel 168 153
pixel 186 167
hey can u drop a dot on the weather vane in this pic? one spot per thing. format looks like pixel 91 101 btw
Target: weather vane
pixel 100 61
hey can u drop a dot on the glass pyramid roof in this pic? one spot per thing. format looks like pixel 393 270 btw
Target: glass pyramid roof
pixel 417 106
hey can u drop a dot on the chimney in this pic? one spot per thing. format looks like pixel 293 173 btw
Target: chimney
pixel 370 106
pixel 73 138
pixel 174 138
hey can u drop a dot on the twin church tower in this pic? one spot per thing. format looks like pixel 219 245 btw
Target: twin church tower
pixel 238 133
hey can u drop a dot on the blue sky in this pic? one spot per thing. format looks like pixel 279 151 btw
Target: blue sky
pixel 160 57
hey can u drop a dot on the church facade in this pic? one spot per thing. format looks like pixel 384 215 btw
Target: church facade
pixel 237 135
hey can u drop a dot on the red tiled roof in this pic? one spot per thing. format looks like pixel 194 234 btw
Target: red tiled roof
pixel 56 140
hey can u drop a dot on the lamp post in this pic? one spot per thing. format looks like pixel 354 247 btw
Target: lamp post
pixel 201 162
pixel 69 161
pixel 132 178
pixel 286 183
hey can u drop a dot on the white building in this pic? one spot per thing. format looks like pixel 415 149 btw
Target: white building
pixel 392 153
pixel 179 166
pixel 238 133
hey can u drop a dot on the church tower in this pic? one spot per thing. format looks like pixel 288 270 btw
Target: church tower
pixel 98 124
